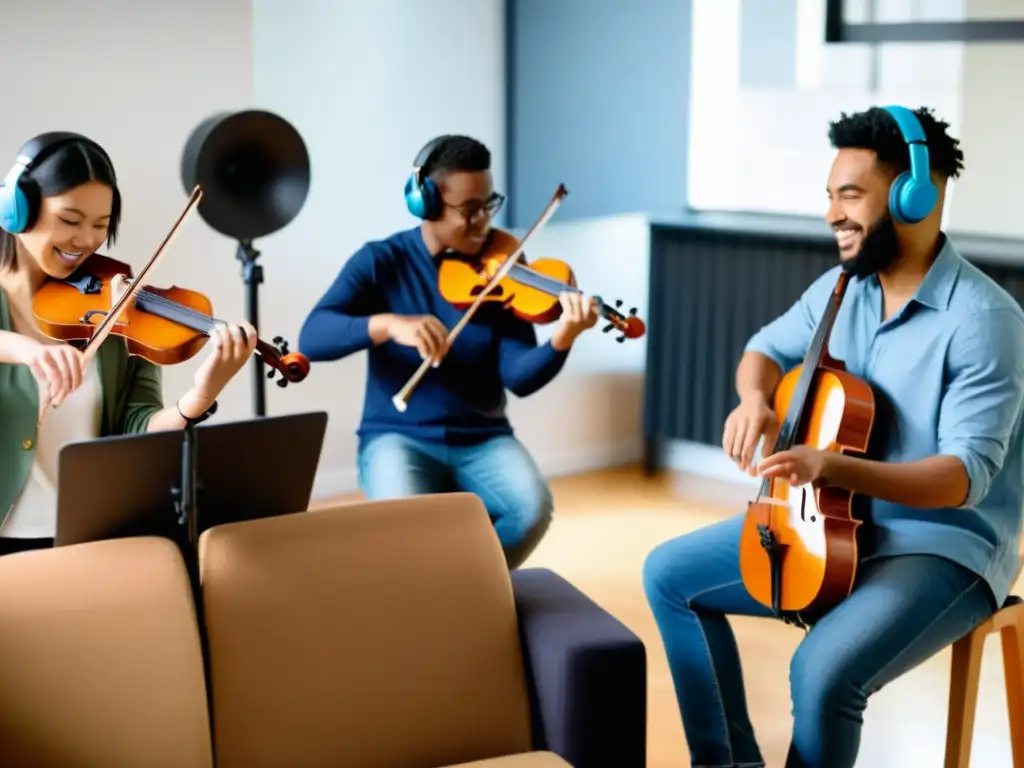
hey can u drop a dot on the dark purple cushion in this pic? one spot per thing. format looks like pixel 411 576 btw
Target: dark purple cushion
pixel 587 674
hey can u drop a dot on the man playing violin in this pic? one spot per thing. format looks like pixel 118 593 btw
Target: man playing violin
pixel 58 205
pixel 455 434
pixel 943 345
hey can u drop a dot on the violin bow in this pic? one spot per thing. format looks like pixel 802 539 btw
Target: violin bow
pixel 117 308
pixel 401 400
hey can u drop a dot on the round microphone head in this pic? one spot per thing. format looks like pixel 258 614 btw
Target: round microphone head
pixel 254 169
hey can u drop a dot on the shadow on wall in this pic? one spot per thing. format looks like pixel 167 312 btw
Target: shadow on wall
pixel 581 422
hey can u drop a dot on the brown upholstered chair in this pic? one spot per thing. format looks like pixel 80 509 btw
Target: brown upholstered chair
pixel 387 634
pixel 390 633
pixel 100 658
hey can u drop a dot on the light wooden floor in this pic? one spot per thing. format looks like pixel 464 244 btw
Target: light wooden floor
pixel 605 525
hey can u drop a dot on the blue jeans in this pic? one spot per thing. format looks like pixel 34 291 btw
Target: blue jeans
pixel 499 470
pixel 902 611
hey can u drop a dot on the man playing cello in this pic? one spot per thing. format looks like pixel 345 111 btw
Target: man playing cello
pixel 943 344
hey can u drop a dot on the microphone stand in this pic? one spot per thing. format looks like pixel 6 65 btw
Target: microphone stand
pixel 186 503
pixel 252 274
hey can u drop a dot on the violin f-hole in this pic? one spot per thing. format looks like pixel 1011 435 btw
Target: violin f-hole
pixel 87 319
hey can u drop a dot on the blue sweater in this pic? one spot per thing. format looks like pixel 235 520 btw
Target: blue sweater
pixel 463 400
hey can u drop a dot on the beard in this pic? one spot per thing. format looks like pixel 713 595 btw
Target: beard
pixel 878 250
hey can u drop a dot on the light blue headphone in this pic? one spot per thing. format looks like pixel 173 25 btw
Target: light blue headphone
pixel 422 197
pixel 19 200
pixel 912 195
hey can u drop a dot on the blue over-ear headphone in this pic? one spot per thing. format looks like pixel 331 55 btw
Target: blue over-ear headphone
pixel 912 195
pixel 18 200
pixel 422 197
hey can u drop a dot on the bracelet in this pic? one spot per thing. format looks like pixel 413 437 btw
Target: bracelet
pixel 201 417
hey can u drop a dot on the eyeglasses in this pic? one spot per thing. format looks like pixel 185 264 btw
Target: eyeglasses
pixel 472 209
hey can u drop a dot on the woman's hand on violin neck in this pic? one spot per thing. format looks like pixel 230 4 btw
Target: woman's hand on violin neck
pixel 579 314
pixel 232 346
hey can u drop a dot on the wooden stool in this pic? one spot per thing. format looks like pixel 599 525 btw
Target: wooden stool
pixel 963 684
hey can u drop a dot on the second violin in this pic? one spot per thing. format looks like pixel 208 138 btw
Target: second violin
pixel 529 289
pixel 164 325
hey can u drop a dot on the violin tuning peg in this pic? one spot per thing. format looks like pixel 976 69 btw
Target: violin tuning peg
pixel 621 339
pixel 608 327
pixel 281 345
pixel 632 311
pixel 270 373
pixel 618 302
pixel 282 382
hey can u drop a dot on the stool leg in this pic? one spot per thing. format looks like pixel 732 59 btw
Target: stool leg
pixel 965 672
pixel 1013 671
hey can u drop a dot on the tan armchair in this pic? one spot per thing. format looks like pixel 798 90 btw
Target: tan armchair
pixel 100 660
pixel 369 635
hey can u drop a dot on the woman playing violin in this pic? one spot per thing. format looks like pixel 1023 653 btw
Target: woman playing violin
pixel 58 205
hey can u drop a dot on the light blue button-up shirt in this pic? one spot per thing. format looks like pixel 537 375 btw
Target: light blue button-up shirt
pixel 950 364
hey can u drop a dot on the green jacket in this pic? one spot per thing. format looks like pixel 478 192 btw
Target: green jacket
pixel 132 393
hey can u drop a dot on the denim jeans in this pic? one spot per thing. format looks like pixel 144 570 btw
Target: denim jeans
pixel 902 611
pixel 499 470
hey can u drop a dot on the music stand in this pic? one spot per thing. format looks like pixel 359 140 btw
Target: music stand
pixel 139 484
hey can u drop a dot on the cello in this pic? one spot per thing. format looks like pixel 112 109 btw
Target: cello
pixel 798 546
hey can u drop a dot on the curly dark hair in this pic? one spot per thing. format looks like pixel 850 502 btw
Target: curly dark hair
pixel 875 129
pixel 458 154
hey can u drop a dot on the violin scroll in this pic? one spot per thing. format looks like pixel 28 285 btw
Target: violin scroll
pixel 293 366
pixel 630 326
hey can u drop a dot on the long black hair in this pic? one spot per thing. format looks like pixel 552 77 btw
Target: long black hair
pixel 65 167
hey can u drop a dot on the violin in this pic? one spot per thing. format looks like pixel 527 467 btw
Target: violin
pixel 798 546
pixel 165 326
pixel 468 288
pixel 529 290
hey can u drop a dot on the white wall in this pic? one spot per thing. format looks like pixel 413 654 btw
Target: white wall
pixel 591 414
pixel 767 150
pixel 367 85
pixel 137 76
pixel 992 108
